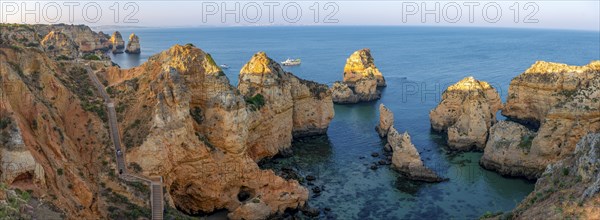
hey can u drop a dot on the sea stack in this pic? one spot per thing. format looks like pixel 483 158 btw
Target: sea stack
pixel 117 43
pixel 281 106
pixel 466 112
pixel 361 80
pixel 405 157
pixel 133 45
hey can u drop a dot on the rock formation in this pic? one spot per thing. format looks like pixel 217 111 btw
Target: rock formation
pixel 59 44
pixel 361 80
pixel 189 125
pixel 535 92
pixel 406 158
pixel 133 45
pixel 360 65
pixel 466 112
pixel 87 40
pixel 569 188
pixel 386 120
pixel 117 43
pixel 572 95
pixel 282 106
pixel 508 148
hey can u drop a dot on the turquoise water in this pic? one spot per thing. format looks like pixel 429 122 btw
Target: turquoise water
pixel 418 64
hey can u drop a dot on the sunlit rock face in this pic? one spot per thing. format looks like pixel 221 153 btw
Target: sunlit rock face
pixel 361 80
pixel 569 187
pixel 59 44
pixel 466 112
pixel 133 45
pixel 117 43
pixel 360 65
pixel 540 88
pixel 282 106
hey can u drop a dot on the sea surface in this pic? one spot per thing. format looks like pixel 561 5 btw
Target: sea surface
pixel 418 64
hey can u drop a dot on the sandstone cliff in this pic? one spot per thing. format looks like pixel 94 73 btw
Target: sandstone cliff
pixel 572 110
pixel 87 40
pixel 535 92
pixel 568 189
pixel 508 149
pixel 361 80
pixel 282 106
pixel 133 45
pixel 466 112
pixel 185 122
pixel 59 44
pixel 117 44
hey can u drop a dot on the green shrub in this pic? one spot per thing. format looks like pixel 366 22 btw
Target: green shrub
pixel 526 142
pixel 565 171
pixel 91 57
pixel 256 102
pixel 196 114
pixel 59 171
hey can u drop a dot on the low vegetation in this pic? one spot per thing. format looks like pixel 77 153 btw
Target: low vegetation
pixel 255 102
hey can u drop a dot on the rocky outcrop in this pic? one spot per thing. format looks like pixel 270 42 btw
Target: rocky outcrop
pixel 508 150
pixel 466 112
pixel 573 110
pixel 359 65
pixel 544 85
pixel 87 40
pixel 59 44
pixel 386 120
pixel 569 188
pixel 133 45
pixel 189 125
pixel 361 80
pixel 117 44
pixel 282 106
pixel 406 158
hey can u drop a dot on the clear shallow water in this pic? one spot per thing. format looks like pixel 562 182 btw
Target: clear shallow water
pixel 418 63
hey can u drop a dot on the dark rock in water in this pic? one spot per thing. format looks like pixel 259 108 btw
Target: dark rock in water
pixel 373 167
pixel 375 154
pixel 316 190
pixel 310 211
pixel 382 162
pixel 387 148
pixel 310 183
pixel 327 209
pixel 287 152
pixel 310 178
pixel 361 157
pixel 389 157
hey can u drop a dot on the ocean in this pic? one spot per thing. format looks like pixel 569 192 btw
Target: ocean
pixel 418 64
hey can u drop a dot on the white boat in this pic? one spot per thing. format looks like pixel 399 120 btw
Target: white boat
pixel 224 66
pixel 291 62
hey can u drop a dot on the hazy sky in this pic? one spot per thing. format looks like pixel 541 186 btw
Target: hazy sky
pixel 582 15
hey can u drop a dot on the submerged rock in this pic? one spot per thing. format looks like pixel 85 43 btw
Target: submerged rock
pixel 466 112
pixel 361 80
pixel 133 45
pixel 406 158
